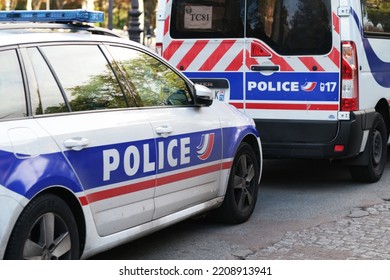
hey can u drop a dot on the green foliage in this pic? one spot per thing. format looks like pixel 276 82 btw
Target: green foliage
pixel 151 80
pixel 101 92
pixel 380 16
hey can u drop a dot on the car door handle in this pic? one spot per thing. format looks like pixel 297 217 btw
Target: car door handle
pixel 164 130
pixel 76 143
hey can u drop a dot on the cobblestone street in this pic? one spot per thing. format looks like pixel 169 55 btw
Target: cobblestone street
pixel 363 234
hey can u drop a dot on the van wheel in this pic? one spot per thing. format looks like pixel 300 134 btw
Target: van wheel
pixel 241 194
pixel 46 230
pixel 377 154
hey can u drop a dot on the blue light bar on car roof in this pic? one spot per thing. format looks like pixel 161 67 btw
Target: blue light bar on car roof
pixel 52 16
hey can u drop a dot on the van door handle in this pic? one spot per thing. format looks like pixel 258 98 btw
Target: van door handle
pixel 259 68
pixel 164 130
pixel 76 143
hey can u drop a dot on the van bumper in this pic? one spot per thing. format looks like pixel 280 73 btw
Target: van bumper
pixel 315 139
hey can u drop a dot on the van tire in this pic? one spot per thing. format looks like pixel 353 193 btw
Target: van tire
pixel 376 148
pixel 241 193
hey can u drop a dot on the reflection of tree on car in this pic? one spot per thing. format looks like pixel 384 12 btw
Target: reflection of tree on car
pixel 149 83
pixel 151 80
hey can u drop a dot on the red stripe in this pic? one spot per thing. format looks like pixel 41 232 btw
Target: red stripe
pixel 236 63
pixel 238 105
pixel 121 190
pixel 188 174
pixel 209 148
pixel 192 54
pixel 250 61
pixel 216 56
pixel 335 57
pixel 171 49
pixel 284 106
pixel 101 195
pixel 83 200
pixel 166 25
pixel 310 63
pixel 227 165
pixel 284 66
pixel 336 23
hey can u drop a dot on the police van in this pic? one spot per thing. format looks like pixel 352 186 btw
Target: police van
pixel 102 142
pixel 314 74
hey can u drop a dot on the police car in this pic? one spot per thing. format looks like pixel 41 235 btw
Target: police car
pixel 101 141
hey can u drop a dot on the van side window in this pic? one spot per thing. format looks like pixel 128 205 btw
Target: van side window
pixel 12 98
pixel 376 18
pixel 206 19
pixel 291 27
pixel 150 82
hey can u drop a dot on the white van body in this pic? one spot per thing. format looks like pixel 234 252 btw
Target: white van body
pixel 314 74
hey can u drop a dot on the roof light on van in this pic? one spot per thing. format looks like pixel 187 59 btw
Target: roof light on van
pixel 52 16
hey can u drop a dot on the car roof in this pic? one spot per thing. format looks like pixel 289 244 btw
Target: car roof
pixel 10 33
pixel 24 27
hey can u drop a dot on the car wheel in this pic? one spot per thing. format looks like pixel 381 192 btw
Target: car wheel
pixel 46 230
pixel 241 194
pixel 377 154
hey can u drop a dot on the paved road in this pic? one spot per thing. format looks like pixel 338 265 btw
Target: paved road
pixel 306 210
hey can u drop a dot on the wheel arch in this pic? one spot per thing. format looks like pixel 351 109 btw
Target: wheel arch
pixel 252 140
pixel 383 108
pixel 75 206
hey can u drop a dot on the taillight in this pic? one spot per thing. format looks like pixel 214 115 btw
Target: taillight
pixel 159 48
pixel 349 78
pixel 257 50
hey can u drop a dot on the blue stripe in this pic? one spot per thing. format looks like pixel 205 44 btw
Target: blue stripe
pixel 280 86
pixel 379 68
pixel 29 176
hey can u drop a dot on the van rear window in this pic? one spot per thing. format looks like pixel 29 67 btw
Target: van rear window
pixel 290 27
pixel 206 19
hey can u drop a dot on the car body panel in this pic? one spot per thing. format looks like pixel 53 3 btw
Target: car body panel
pixel 131 171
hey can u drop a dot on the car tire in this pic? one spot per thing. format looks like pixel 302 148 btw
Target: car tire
pixel 377 154
pixel 45 230
pixel 241 194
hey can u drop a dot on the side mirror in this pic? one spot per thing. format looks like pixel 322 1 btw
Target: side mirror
pixel 204 96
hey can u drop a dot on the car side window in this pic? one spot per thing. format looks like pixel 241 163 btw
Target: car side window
pixel 46 96
pixel 86 77
pixel 12 95
pixel 150 80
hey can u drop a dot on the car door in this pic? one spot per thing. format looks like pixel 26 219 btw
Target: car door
pixel 188 138
pixel 78 100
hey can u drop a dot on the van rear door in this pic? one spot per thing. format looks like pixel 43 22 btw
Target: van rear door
pixel 205 40
pixel 293 66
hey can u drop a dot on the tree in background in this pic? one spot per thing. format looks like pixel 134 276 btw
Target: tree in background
pixel 150 11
